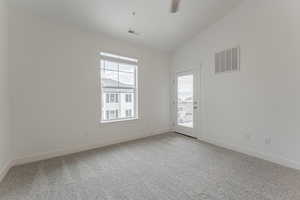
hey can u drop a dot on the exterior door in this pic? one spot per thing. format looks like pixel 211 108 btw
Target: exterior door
pixel 187 87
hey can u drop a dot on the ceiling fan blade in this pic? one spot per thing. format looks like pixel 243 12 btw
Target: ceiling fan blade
pixel 175 6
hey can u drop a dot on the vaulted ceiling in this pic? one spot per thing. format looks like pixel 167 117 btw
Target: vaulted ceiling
pixel 156 26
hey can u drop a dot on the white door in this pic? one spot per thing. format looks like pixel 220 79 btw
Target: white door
pixel 187 86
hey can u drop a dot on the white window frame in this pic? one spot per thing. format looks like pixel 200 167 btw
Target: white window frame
pixel 122 60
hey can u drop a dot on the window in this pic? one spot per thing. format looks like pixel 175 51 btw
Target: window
pixel 128 98
pixel 118 76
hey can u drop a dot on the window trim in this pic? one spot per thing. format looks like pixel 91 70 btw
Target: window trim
pixel 135 95
pixel 123 59
pixel 119 120
pixel 119 59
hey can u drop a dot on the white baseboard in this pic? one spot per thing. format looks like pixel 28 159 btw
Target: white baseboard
pixel 5 169
pixel 268 157
pixel 63 152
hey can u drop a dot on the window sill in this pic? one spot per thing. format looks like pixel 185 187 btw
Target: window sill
pixel 118 120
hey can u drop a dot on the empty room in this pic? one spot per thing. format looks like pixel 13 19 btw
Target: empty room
pixel 149 100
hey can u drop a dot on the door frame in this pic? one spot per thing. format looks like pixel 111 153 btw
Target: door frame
pixel 196 130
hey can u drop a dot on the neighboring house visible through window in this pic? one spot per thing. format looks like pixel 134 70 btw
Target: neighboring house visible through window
pixel 118 88
pixel 112 114
pixel 112 98
pixel 128 113
pixel 128 98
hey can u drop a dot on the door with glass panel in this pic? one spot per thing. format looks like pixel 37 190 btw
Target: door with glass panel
pixel 186 102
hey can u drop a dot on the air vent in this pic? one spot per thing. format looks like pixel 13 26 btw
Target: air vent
pixel 227 60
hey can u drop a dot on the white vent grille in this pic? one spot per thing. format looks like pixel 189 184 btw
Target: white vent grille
pixel 227 60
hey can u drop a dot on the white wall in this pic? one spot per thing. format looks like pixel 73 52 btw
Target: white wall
pixel 55 92
pixel 242 110
pixel 5 144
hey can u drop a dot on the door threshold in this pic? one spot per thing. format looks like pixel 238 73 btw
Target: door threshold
pixel 186 135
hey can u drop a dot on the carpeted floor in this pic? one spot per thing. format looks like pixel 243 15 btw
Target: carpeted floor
pixel 165 167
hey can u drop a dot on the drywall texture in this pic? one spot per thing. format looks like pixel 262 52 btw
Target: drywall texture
pixel 4 92
pixel 55 88
pixel 257 109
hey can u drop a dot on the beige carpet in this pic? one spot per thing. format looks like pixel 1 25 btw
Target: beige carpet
pixel 165 167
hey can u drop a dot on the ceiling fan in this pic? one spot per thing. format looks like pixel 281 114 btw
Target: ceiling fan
pixel 175 6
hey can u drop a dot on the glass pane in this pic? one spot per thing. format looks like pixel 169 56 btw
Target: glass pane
pixel 113 66
pixel 127 68
pixel 127 75
pixel 109 74
pixel 185 99
pixel 127 80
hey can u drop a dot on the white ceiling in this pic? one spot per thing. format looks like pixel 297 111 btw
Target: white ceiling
pixel 158 28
